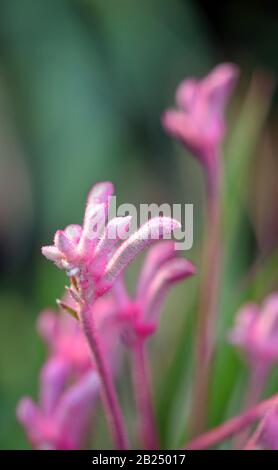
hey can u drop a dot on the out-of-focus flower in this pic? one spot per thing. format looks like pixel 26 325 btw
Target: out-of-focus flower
pixel 199 120
pixel 94 259
pixel 63 424
pixel 256 331
pixel 69 381
pixel 67 346
pixel 138 318
pixel 91 253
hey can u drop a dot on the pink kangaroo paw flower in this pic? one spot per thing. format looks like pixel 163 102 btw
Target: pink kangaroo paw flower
pixel 199 120
pixel 114 231
pixel 153 230
pixel 186 93
pixel 27 412
pixel 28 415
pixel 171 272
pixel 218 86
pixel 65 245
pixel 96 211
pixel 73 232
pixel 75 410
pixel 52 253
pixel 100 193
pixel 94 222
pixel 256 331
pixel 180 126
pixel 256 334
pixel 155 258
pixel 244 324
pixel 53 378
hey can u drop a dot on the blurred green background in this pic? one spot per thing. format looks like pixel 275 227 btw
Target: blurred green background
pixel 82 86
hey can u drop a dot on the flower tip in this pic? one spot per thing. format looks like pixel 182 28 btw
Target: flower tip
pixel 168 120
pixel 160 227
pixel 175 223
pixel 168 224
pixel 51 253
pixel 180 268
pixel 65 245
pixel 177 124
pixel 100 192
pixel 26 411
pixel 190 268
pixel 228 70
pixel 224 76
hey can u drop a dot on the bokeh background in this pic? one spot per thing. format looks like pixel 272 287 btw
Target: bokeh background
pixel 82 86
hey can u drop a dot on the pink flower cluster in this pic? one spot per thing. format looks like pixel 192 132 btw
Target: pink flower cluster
pixel 84 352
pixel 90 253
pixel 69 381
pixel 85 348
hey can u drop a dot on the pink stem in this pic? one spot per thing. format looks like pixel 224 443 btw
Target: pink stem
pixel 257 380
pixel 255 438
pixel 109 395
pixel 231 427
pixel 143 397
pixel 208 307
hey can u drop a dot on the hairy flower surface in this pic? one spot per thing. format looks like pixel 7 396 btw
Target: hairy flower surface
pixel 93 254
pixel 198 122
pixel 256 331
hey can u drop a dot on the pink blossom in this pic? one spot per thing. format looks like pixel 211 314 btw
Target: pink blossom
pixel 91 255
pixel 64 424
pixel 69 381
pixel 199 120
pixel 138 318
pixel 256 331
pixel 94 258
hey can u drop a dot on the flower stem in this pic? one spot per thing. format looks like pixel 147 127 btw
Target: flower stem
pixel 143 397
pixel 233 426
pixel 208 307
pixel 257 380
pixel 254 440
pixel 109 394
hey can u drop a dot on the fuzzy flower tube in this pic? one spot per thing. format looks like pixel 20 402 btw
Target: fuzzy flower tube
pixel 137 318
pixel 198 123
pixel 94 256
